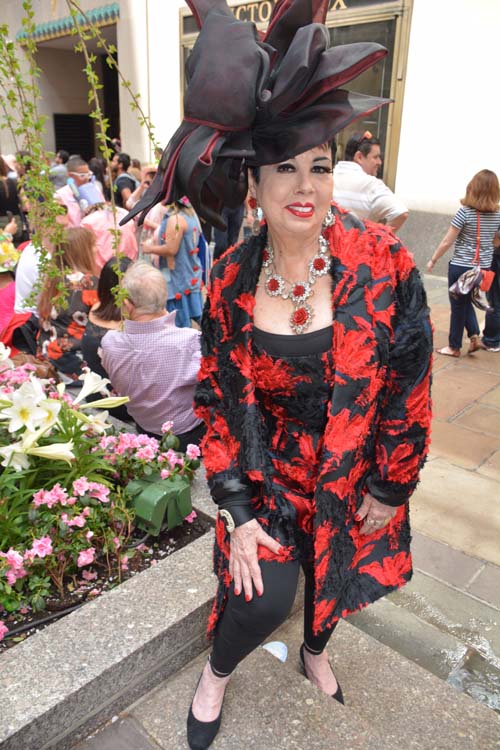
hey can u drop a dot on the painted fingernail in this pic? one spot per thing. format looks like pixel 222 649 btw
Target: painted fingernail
pixel 259 593
pixel 247 598
pixel 237 592
pixel 357 517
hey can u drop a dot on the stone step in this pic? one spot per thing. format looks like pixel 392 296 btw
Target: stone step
pixel 390 703
pixel 406 704
pixel 268 704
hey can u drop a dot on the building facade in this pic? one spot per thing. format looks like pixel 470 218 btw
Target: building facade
pixel 440 73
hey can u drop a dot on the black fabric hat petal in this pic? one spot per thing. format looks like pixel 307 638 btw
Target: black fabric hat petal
pixel 256 99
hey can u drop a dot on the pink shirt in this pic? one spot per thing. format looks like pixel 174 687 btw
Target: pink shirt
pixel 156 365
pixel 66 196
pixel 100 222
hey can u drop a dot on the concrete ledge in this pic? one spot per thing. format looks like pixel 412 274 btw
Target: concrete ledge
pixel 64 682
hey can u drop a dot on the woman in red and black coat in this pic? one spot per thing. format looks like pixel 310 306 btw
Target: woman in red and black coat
pixel 318 412
pixel 314 382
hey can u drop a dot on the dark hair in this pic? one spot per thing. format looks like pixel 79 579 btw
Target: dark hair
pixel 4 169
pixel 97 167
pixel 108 280
pixel 332 145
pixel 124 160
pixel 360 142
pixel 74 162
pixel 63 155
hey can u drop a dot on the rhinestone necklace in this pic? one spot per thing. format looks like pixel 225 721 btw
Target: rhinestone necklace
pixel 297 292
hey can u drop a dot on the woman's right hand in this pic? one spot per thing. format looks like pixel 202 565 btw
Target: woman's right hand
pixel 430 265
pixel 243 561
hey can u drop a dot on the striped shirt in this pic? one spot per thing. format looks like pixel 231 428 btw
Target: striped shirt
pixel 465 244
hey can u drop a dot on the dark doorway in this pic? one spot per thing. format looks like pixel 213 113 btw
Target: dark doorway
pixel 110 97
pixel 75 134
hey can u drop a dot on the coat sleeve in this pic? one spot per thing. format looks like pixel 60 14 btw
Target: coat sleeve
pixel 229 486
pixel 402 439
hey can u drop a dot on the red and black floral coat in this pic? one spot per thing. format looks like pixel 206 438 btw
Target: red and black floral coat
pixel 378 422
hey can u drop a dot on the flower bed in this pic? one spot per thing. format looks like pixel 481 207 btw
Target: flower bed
pixel 67 515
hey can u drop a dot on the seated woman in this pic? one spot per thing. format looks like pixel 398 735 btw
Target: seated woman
pixel 65 302
pixel 8 259
pixel 104 316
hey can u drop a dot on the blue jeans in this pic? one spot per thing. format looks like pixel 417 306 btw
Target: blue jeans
pixel 462 311
pixel 491 331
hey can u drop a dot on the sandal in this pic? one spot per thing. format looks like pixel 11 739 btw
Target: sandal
pixel 475 344
pixel 448 351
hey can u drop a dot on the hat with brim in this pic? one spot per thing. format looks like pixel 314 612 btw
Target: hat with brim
pixel 255 100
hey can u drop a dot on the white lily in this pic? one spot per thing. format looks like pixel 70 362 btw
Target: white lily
pixel 14 457
pixel 23 412
pixel 98 422
pixel 5 362
pixel 51 407
pixel 33 389
pixel 106 403
pixel 55 451
pixel 4 351
pixel 92 383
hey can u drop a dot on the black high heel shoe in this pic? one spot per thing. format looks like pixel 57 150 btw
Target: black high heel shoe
pixel 201 734
pixel 337 695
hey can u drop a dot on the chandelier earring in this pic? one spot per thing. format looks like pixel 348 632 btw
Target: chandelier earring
pixel 252 202
pixel 329 219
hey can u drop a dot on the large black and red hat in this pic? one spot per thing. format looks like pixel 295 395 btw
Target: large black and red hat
pixel 255 99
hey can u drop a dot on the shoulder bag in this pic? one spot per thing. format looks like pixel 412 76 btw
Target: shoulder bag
pixel 475 276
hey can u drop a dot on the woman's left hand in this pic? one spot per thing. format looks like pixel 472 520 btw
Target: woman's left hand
pixel 375 515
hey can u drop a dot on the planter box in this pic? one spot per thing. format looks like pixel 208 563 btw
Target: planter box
pixel 62 683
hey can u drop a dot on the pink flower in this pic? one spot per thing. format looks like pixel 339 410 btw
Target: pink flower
pixel 89 535
pixel 14 559
pixel 124 563
pixel 190 518
pixel 86 557
pixel 3 630
pixel 78 521
pixel 80 486
pixel 99 491
pixel 192 451
pixel 88 575
pixel 51 497
pixel 117 543
pixel 43 546
pixel 94 592
pixel 165 473
pixel 167 426
pixel 146 453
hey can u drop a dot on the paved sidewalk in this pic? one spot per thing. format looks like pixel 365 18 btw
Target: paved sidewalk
pixel 458 500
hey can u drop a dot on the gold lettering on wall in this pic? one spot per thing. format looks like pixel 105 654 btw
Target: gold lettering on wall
pixel 260 12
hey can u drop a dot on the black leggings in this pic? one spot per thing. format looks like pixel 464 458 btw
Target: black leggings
pixel 245 625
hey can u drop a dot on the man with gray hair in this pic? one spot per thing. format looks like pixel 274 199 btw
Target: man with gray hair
pixel 152 361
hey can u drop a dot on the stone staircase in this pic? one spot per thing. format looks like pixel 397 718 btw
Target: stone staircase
pixel 391 703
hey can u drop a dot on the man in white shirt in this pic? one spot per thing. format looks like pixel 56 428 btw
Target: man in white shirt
pixel 357 188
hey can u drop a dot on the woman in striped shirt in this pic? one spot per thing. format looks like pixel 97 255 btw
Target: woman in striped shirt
pixel 479 215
